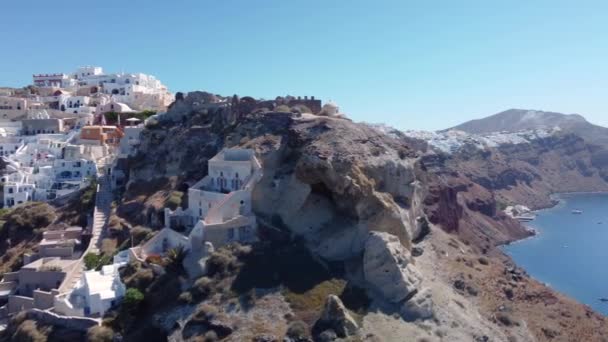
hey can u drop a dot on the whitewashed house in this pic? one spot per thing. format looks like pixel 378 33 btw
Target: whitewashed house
pixel 219 205
pixel 130 140
pixel 94 294
pixel 137 90
pixel 160 244
pixel 10 145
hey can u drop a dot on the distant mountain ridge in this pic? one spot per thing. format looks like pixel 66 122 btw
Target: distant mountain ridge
pixel 514 120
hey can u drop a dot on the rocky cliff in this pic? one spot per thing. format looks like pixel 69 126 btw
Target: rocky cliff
pixel 416 230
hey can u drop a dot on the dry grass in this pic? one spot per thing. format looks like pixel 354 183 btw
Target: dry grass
pixel 308 304
pixel 100 334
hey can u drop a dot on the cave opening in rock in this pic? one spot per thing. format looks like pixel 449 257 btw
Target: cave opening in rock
pixel 321 189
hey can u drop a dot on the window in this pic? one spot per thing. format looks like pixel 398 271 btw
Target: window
pixel 230 233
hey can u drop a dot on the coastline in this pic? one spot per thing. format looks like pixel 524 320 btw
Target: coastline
pixel 558 199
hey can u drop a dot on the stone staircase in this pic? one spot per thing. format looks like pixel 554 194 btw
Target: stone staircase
pixel 101 216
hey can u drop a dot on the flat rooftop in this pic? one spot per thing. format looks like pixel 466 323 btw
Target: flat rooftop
pixel 233 154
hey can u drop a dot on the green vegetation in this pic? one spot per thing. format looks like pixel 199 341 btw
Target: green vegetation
pixel 175 258
pixel 174 200
pixel 501 206
pixel 94 261
pixel 133 299
pixel 87 200
pixel 26 219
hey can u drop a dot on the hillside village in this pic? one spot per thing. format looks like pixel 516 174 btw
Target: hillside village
pixel 69 134
pixel 241 219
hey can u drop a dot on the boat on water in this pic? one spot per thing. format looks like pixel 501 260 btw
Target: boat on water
pixel 604 299
pixel 525 217
pixel 577 211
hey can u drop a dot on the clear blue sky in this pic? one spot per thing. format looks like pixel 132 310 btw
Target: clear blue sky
pixel 411 64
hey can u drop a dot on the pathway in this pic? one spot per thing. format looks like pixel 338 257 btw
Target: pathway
pixel 101 215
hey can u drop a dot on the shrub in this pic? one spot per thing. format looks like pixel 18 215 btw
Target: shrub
pixel 206 312
pixel 87 200
pixel 132 300
pixel 301 109
pixel 175 258
pixel 141 279
pixel 91 260
pixel 100 334
pixel 283 109
pixel 175 200
pixel 108 246
pixel 312 300
pixel 94 261
pixel 202 288
pixel 185 297
pixel 139 234
pixel 104 260
pixel 28 331
pixel 24 219
pixel 297 330
pixel 4 212
pixel 222 262
pixel 52 268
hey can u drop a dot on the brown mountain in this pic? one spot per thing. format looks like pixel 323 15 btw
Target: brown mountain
pixel 513 120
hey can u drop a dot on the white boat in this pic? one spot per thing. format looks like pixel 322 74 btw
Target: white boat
pixel 525 217
pixel 577 211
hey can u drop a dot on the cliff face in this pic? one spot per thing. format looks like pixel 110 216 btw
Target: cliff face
pixel 529 173
pixel 399 221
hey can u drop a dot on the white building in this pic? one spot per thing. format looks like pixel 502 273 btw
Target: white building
pixel 10 128
pixel 94 294
pixel 136 90
pixel 219 206
pixel 130 141
pixel 56 80
pixel 45 166
pixel 158 245
pixel 16 193
pixel 10 145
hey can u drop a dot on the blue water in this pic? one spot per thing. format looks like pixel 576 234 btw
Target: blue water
pixel 570 253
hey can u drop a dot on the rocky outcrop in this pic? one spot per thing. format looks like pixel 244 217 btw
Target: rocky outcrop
pixel 420 306
pixel 362 200
pixel 335 317
pixel 387 268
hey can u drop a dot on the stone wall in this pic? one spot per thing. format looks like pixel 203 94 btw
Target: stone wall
pixel 19 303
pixel 68 322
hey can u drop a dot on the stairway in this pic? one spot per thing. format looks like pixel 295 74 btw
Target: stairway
pixel 101 215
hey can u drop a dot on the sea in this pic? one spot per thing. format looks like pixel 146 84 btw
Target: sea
pixel 570 251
